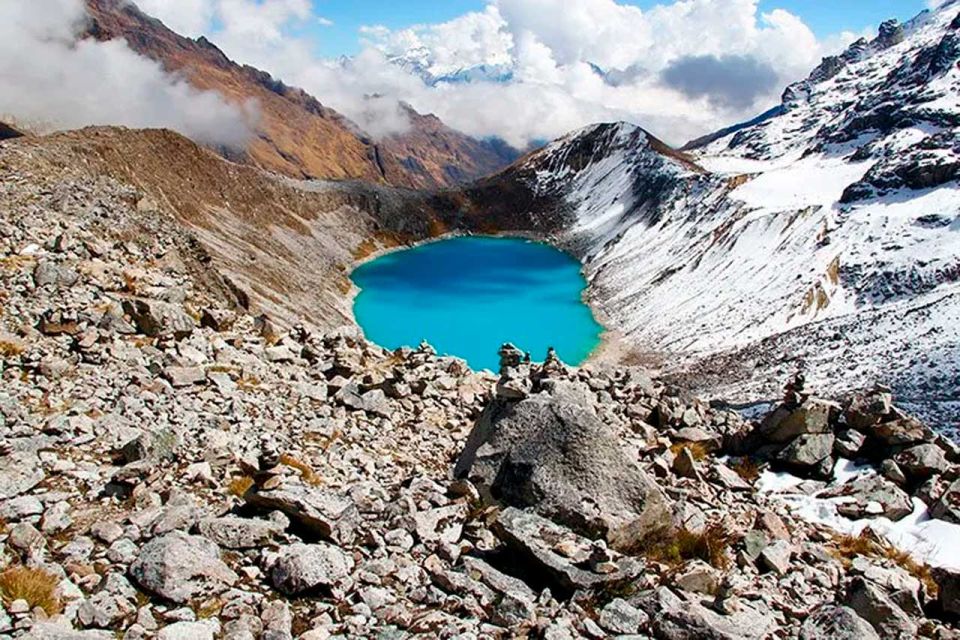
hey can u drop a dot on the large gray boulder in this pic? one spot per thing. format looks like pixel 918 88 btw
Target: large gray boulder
pixel 323 512
pixel 783 425
pixel 837 623
pixel 811 454
pixel 154 318
pixel 872 496
pixel 181 567
pixel 310 568
pixel 872 604
pixel 19 472
pixel 554 455
pixel 54 631
pixel 922 461
pixel 569 561
pixel 52 274
pixel 673 617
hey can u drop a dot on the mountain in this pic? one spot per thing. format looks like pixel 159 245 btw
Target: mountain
pixel 439 156
pixel 176 465
pixel 420 62
pixel 824 233
pixel 296 135
pixel 703 141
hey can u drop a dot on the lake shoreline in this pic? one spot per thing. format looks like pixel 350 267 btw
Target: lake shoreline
pixel 605 347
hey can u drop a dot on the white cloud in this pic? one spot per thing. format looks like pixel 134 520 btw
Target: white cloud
pixel 52 81
pixel 554 46
pixel 546 54
pixel 186 17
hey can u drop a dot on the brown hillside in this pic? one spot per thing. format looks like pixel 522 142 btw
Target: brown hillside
pixel 297 135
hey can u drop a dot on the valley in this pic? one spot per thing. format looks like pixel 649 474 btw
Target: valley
pixel 218 420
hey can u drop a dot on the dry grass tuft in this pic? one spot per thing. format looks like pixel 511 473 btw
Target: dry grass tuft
pixel 306 471
pixel 698 450
pixel 869 545
pixel 14 264
pixel 130 282
pixel 248 383
pixel 437 228
pixel 208 608
pixel 11 349
pixel 365 249
pixel 748 469
pixel 674 548
pixel 35 586
pixel 239 486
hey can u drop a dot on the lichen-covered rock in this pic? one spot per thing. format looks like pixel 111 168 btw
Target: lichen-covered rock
pixel 837 623
pixel 327 513
pixel 310 568
pixel 19 472
pixel 156 318
pixel 558 458
pixel 181 567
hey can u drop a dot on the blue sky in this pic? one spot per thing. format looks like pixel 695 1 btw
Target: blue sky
pixel 825 17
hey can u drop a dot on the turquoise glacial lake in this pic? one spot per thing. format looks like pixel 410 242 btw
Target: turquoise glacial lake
pixel 468 296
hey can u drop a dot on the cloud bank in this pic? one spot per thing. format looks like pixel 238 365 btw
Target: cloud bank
pixel 52 80
pixel 527 70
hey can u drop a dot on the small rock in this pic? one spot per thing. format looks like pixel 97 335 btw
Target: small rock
pixel 698 577
pixel 619 617
pixel 239 533
pixel 777 557
pixel 202 630
pixel 154 318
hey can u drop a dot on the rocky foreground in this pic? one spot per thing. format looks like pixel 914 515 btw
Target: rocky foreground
pixel 173 468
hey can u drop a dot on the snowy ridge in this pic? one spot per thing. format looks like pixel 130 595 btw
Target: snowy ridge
pixel 827 233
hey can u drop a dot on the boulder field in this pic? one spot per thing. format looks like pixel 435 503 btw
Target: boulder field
pixel 173 467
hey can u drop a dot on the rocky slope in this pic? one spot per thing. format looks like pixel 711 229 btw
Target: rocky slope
pixel 822 234
pixel 295 134
pixel 173 467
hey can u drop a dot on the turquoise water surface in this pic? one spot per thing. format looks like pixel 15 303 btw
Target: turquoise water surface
pixel 467 296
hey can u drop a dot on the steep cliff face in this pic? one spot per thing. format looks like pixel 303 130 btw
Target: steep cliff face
pixel 297 135
pixel 826 228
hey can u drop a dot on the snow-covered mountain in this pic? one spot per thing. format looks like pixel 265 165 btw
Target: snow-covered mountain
pixel 421 62
pixel 827 231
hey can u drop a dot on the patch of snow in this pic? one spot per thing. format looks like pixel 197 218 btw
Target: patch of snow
pixel 928 540
pixel 808 182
